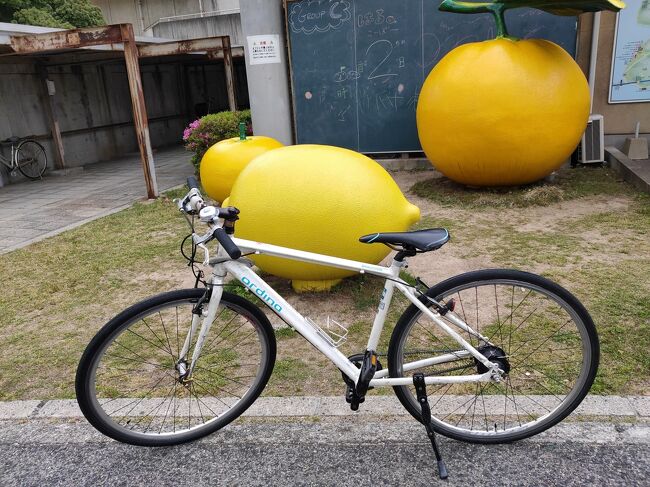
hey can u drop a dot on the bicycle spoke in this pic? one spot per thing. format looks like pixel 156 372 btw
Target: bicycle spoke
pixel 166 336
pixel 544 353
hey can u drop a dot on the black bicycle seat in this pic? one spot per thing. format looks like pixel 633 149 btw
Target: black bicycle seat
pixel 10 140
pixel 422 240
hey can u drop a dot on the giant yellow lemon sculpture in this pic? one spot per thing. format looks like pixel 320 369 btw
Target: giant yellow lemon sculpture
pixel 222 163
pixel 504 111
pixel 319 199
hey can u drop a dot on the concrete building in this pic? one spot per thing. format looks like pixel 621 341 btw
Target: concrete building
pixel 94 113
pixel 86 91
pixel 619 118
pixel 176 19
pixel 185 19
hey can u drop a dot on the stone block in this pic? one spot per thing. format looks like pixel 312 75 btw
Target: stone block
pixel 636 148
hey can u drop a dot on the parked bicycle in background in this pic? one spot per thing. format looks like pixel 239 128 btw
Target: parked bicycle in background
pixel 27 156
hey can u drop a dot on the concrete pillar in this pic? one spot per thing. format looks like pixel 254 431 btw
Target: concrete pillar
pixel 268 83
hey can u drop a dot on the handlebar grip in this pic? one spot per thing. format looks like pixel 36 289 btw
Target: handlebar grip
pixel 227 243
pixel 192 182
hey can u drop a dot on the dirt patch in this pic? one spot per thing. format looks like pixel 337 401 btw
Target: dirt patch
pixel 559 215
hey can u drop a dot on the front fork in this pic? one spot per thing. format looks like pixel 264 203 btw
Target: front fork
pixel 215 292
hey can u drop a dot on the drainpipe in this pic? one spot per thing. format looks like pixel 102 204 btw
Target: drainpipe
pixel 593 56
pixel 138 5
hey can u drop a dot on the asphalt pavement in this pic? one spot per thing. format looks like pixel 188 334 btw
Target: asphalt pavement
pixel 322 451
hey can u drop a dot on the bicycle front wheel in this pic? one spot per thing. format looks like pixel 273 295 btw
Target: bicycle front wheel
pixel 128 385
pixel 31 159
pixel 544 337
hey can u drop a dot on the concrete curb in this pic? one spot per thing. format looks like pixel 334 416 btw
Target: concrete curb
pixel 637 407
pixel 635 172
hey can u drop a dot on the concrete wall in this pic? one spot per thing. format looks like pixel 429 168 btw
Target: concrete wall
pixel 620 118
pixel 145 13
pixel 94 106
pixel 202 27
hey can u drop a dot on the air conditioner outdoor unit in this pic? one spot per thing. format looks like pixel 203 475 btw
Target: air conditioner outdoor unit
pixel 592 145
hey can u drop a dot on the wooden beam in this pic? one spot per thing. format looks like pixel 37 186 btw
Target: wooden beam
pixel 66 39
pixel 230 74
pixel 139 110
pixel 183 47
pixel 50 109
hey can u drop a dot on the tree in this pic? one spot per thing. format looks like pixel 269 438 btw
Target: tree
pixel 66 14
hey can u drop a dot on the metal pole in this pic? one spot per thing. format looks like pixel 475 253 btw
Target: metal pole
pixel 230 75
pixel 268 84
pixel 140 120
pixel 593 58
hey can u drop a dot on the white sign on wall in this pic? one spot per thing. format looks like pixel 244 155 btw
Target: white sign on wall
pixel 264 49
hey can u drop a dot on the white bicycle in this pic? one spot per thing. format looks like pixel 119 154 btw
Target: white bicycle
pixel 504 354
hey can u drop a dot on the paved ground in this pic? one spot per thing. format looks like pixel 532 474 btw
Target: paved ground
pixel 340 451
pixel 316 441
pixel 35 210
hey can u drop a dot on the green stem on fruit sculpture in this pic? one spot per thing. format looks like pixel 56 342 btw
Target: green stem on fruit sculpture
pixel 556 7
pixel 242 131
pixel 497 10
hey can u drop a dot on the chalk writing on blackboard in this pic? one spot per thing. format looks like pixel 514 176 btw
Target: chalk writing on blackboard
pixel 319 15
pixel 358 65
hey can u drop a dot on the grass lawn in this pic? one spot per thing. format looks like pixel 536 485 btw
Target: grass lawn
pixel 585 229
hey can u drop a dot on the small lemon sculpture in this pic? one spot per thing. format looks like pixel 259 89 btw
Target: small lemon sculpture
pixel 319 199
pixel 505 111
pixel 222 163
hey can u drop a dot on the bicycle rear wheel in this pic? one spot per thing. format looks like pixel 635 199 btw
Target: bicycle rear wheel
pixel 31 159
pixel 128 386
pixel 548 340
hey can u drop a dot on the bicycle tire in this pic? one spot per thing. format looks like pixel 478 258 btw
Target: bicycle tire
pixel 120 406
pixel 34 164
pixel 535 387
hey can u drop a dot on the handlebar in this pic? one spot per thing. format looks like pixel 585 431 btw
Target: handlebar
pixel 192 183
pixel 193 203
pixel 226 242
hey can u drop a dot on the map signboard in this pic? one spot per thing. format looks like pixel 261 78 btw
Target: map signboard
pixel 630 80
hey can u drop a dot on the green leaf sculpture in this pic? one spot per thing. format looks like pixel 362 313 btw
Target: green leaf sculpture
pixel 556 7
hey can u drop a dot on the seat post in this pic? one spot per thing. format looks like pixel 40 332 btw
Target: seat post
pixel 405 252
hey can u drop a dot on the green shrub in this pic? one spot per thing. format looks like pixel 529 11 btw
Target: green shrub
pixel 203 133
pixel 66 14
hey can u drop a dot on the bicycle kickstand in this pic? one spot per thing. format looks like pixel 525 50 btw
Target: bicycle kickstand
pixel 421 390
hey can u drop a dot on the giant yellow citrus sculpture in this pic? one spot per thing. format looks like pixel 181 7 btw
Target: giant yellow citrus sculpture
pixel 504 111
pixel 222 163
pixel 319 199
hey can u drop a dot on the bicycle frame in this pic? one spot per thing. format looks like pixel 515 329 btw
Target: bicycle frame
pixel 11 163
pixel 254 283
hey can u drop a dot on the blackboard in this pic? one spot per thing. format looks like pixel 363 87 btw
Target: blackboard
pixel 357 66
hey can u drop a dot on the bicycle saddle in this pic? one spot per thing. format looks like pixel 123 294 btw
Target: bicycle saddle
pixel 10 140
pixel 423 240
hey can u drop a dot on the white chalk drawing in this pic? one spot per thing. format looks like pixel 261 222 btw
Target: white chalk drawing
pixel 375 17
pixel 341 116
pixel 344 75
pixel 388 47
pixel 321 16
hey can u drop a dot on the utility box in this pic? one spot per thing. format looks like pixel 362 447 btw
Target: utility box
pixel 592 146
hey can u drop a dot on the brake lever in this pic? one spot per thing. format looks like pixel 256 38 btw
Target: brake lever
pixel 206 253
